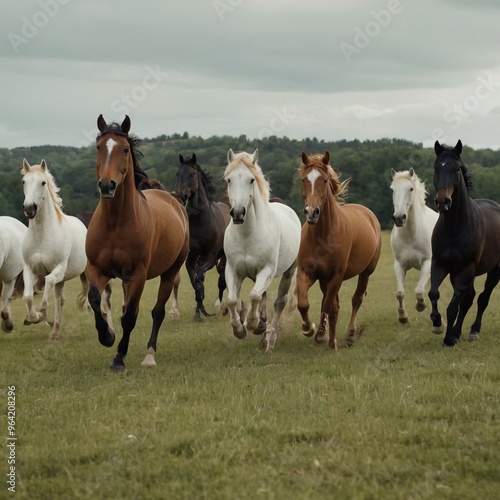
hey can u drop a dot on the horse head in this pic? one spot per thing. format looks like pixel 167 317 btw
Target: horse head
pixel 245 182
pixel 403 195
pixel 447 174
pixel 114 158
pixel 187 178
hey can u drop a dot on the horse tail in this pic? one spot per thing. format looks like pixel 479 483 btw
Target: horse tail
pixel 82 301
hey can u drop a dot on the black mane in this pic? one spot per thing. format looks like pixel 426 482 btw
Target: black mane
pixel 206 178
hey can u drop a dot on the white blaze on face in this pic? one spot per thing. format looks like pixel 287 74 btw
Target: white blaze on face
pixel 110 144
pixel 312 176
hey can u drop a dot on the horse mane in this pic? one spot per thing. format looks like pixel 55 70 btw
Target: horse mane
pixel 255 170
pixel 133 141
pixel 449 151
pixel 339 188
pixel 419 184
pixel 52 187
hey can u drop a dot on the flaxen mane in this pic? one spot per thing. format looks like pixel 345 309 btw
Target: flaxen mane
pixel 256 171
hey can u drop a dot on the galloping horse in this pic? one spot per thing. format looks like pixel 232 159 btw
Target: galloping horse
pixel 465 244
pixel 338 243
pixel 208 220
pixel 54 246
pixel 134 235
pixel 12 234
pixel 261 243
pixel 411 235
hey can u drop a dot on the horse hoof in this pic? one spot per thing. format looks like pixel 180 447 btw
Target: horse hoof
pixel 404 321
pixel 473 336
pixel 420 306
pixel 260 329
pixel 107 339
pixel 449 343
pixel 438 330
pixel 322 340
pixel 117 366
pixel 240 333
pixel 7 326
pixel 310 332
pixel 197 318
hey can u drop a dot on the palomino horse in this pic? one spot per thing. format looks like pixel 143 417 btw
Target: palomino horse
pixel 12 234
pixel 261 243
pixel 338 242
pixel 411 235
pixel 54 247
pixel 134 235
pixel 208 220
pixel 465 244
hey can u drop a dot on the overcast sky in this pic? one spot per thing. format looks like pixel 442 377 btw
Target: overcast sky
pixel 419 70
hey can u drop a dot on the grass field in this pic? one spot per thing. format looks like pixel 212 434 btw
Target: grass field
pixel 395 417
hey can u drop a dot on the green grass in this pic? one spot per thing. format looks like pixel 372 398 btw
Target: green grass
pixel 396 416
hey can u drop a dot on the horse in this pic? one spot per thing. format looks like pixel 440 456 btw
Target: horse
pixel 338 241
pixel 135 235
pixel 261 242
pixel 208 220
pixel 54 246
pixel 465 244
pixel 12 234
pixel 411 235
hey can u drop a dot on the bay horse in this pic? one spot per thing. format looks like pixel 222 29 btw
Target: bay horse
pixel 261 242
pixel 465 244
pixel 411 235
pixel 134 235
pixel 208 220
pixel 54 246
pixel 339 241
pixel 12 234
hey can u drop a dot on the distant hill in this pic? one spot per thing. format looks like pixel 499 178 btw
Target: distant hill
pixel 369 164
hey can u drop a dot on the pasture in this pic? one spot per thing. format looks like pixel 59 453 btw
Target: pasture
pixel 395 416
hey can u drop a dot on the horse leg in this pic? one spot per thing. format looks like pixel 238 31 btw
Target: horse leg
pixel 331 305
pixel 271 334
pixel 58 307
pixel 438 274
pixel 5 299
pixel 192 272
pixel 199 284
pixel 425 272
pixel 167 281
pixel 400 273
pixel 29 282
pixel 262 282
pixel 82 297
pixel 234 304
pixel 221 282
pixel 262 325
pixel 56 276
pixel 174 309
pixel 356 302
pixel 304 282
pixel 491 282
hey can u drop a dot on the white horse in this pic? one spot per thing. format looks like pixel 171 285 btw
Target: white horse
pixel 54 247
pixel 12 234
pixel 411 235
pixel 261 242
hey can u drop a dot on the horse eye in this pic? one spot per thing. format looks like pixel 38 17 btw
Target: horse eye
pixel 43 183
pixel 411 189
pixel 97 147
pixel 252 181
pixel 125 150
pixel 229 181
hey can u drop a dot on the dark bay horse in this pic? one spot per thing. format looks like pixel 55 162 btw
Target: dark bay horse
pixel 208 220
pixel 465 244
pixel 134 235
pixel 338 242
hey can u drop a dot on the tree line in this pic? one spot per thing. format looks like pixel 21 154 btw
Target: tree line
pixel 368 163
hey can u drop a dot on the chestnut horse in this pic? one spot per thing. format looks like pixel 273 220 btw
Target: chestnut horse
pixel 134 235
pixel 465 244
pixel 338 242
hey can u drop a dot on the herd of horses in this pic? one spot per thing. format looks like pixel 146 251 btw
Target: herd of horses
pixel 141 231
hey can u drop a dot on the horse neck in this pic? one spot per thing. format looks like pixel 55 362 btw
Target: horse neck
pixel 333 212
pixel 462 214
pixel 200 199
pixel 258 214
pixel 47 217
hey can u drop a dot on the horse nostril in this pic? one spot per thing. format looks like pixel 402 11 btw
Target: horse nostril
pixel 316 212
pixel 243 211
pixel 231 212
pixel 305 210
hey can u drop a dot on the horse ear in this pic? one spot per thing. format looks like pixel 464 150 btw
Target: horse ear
pixel 411 172
pixel 26 166
pixel 305 158
pixel 393 172
pixel 458 148
pixel 255 156
pixel 438 149
pixel 181 158
pixel 193 159
pixel 43 165
pixel 101 123
pixel 230 155
pixel 125 126
pixel 326 158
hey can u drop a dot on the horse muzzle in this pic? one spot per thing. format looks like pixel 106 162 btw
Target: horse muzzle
pixel 30 210
pixel 107 188
pixel 312 214
pixel 399 220
pixel 443 204
pixel 238 215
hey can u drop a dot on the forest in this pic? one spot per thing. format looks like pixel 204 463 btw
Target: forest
pixel 368 163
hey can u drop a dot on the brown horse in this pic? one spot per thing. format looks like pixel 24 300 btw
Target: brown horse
pixel 134 235
pixel 338 242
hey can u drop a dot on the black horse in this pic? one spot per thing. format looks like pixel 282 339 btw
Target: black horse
pixel 465 244
pixel 208 220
